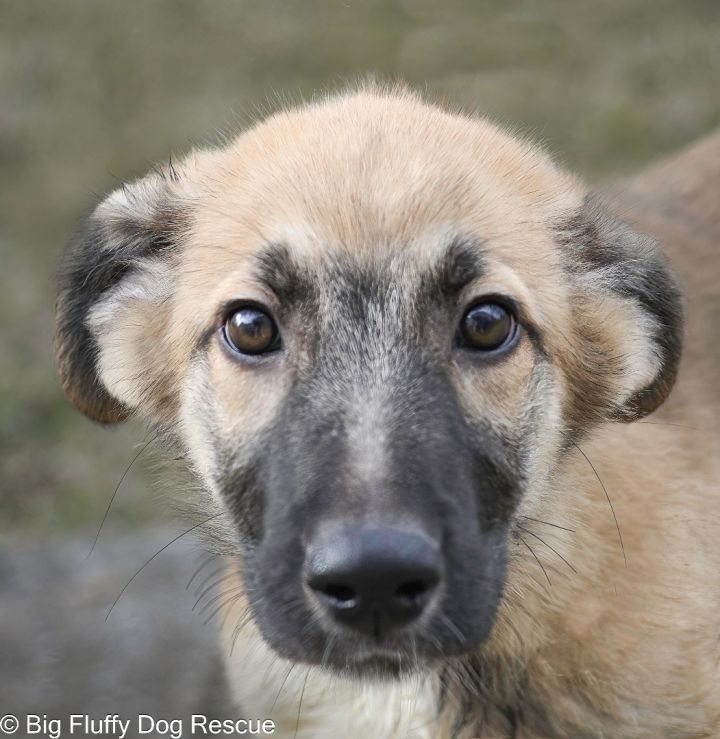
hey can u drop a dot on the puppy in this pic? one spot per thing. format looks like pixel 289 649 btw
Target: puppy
pixel 409 358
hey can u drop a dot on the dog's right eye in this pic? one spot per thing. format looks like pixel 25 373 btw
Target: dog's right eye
pixel 250 330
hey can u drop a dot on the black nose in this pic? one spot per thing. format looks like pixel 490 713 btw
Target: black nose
pixel 373 579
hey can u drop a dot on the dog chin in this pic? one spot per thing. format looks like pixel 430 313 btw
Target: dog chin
pixel 367 659
pixel 381 667
pixel 379 664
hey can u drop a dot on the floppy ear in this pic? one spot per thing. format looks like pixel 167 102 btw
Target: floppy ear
pixel 628 312
pixel 113 278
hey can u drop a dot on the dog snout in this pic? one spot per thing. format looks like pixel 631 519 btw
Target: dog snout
pixel 373 579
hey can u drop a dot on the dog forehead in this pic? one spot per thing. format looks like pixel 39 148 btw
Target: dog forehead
pixel 373 172
pixel 374 179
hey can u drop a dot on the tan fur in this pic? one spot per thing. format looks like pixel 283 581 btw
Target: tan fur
pixel 624 638
pixel 638 640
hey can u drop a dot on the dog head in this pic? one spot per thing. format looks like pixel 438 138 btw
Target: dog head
pixel 376 327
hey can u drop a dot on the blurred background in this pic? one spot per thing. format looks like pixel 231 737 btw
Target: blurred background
pixel 91 93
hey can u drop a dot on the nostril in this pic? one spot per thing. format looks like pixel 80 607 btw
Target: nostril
pixel 341 596
pixel 411 592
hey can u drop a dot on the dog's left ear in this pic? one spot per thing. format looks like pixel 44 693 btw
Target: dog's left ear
pixel 628 312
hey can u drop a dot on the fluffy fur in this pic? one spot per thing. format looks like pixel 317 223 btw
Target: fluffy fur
pixel 609 617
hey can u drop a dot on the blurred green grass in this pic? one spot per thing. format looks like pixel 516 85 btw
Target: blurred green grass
pixel 92 92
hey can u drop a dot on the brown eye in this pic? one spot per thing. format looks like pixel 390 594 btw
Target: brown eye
pixel 487 326
pixel 250 330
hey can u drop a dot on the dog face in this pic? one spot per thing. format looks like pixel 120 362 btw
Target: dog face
pixel 376 328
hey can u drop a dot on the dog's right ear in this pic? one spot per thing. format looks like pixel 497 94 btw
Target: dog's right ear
pixel 113 278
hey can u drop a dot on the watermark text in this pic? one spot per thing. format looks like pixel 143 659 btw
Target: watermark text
pixel 113 725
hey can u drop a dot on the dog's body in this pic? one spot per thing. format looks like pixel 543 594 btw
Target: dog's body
pixel 377 218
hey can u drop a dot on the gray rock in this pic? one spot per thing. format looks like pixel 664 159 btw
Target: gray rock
pixel 153 655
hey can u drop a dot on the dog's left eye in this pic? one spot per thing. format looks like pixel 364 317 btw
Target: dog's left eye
pixel 487 326
pixel 250 330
